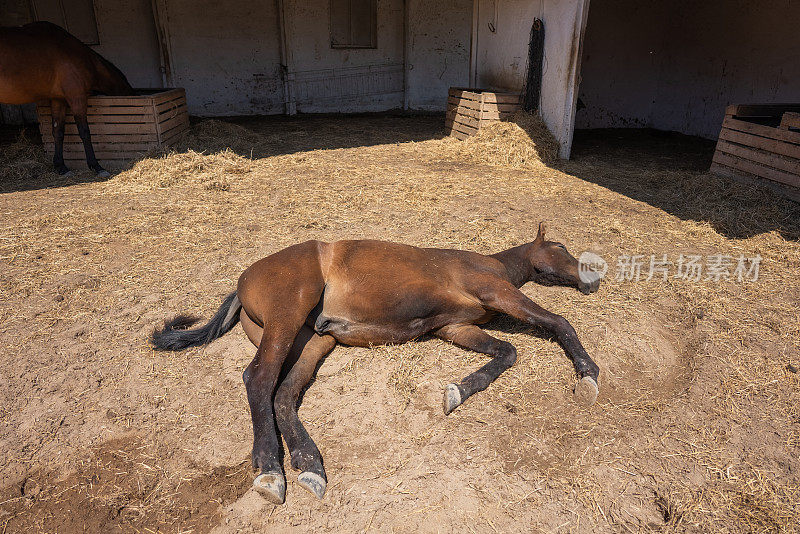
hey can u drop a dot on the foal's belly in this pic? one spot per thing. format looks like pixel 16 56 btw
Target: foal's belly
pixel 364 334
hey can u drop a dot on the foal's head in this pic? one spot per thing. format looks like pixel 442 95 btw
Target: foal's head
pixel 553 265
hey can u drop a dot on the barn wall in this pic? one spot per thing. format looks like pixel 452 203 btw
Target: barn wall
pixel 226 55
pixel 502 54
pixel 324 79
pixel 128 39
pixel 439 35
pixel 677 69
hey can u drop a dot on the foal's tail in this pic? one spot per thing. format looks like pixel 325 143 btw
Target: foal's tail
pixel 175 336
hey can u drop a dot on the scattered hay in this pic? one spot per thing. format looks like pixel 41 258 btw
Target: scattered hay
pixel 522 142
pixel 22 161
pixel 212 171
pixel 211 136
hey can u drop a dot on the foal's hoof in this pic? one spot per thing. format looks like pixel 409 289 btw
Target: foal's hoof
pixel 271 486
pixel 586 390
pixel 313 483
pixel 102 173
pixel 452 398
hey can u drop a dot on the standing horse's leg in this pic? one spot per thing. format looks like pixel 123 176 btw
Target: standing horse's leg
pixel 59 110
pixel 473 338
pixel 79 109
pixel 513 302
pixel 304 453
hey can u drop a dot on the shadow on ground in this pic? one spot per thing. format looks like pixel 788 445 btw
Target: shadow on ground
pixel 24 165
pixel 670 171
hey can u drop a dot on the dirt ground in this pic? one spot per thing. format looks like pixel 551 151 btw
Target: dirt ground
pixel 697 426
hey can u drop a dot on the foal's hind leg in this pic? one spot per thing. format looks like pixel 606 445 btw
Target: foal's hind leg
pixel 260 379
pixel 472 337
pixel 304 453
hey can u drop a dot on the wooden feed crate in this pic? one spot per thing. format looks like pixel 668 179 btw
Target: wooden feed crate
pixel 761 142
pixel 122 127
pixel 468 110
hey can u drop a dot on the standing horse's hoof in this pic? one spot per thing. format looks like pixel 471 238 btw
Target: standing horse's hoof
pixel 586 391
pixel 271 486
pixel 452 398
pixel 313 483
pixel 65 173
pixel 102 173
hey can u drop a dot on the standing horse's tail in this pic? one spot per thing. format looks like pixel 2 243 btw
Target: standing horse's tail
pixel 175 336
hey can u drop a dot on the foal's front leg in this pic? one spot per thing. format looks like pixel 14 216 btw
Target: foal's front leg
pixel 469 336
pixel 511 301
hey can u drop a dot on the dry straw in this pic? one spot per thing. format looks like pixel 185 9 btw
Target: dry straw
pixel 228 194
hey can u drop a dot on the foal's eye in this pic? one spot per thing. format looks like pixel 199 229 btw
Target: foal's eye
pixel 561 245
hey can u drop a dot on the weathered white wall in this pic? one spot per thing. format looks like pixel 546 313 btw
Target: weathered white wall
pixel 502 54
pixel 439 39
pixel 325 79
pixel 128 39
pixel 652 65
pixel 226 55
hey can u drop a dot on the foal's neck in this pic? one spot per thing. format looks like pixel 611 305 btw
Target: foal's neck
pixel 517 263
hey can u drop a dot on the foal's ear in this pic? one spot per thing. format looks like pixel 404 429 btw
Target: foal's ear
pixel 542 231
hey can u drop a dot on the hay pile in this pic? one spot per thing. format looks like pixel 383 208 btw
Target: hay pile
pixel 213 135
pixel 212 171
pixel 22 161
pixel 522 142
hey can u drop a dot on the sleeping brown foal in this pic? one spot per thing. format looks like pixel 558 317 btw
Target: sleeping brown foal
pixel 297 304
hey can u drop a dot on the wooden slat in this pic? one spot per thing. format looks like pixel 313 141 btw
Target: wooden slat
pixel 790 119
pixel 751 179
pixel 169 123
pixel 469 104
pixel 469 112
pixel 105 154
pixel 497 115
pixel 759 129
pixel 106 119
pixel 468 121
pixel 507 108
pixel 172 107
pixel 775 161
pixel 463 128
pixel 756 168
pixel 106 138
pixel 168 95
pixel 124 147
pixel 764 143
pixel 761 110
pixel 137 100
pixel 459 135
pixel 177 130
pixel 105 110
pixel 115 129
pixel 501 98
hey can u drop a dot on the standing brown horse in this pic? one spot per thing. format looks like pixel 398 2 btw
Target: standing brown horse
pixel 41 61
pixel 298 303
